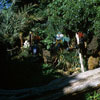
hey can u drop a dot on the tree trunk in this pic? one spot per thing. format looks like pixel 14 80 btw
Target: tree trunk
pixel 31 38
pixel 57 88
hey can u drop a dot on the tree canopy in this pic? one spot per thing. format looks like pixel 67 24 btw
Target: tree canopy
pixel 20 19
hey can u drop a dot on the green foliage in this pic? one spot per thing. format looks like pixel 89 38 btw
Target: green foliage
pixel 14 22
pixel 59 15
pixel 65 58
pixel 24 53
pixel 97 22
pixel 93 96
pixel 47 69
pixel 49 72
pixel 68 16
pixel 48 17
pixel 73 15
pixel 49 33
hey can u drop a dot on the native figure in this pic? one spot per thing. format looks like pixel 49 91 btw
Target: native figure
pixel 79 36
pixel 30 38
pixel 59 38
pixel 82 44
pixel 66 41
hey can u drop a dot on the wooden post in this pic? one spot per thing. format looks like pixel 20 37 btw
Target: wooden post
pixel 80 55
pixel 30 38
pixel 21 39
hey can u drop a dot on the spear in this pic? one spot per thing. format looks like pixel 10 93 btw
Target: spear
pixel 80 55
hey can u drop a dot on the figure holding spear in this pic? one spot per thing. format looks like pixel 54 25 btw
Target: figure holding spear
pixel 81 47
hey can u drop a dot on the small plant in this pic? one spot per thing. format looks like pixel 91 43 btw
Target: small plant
pixel 47 69
pixel 93 95
pixel 67 60
pixel 49 72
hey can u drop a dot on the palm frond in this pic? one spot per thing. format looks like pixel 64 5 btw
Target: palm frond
pixel 12 23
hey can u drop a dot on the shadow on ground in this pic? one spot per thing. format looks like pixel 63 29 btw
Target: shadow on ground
pixel 27 74
pixel 24 74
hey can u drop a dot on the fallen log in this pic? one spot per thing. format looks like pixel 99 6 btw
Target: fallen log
pixel 57 88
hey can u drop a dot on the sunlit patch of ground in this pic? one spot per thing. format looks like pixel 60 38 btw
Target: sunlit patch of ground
pixel 70 71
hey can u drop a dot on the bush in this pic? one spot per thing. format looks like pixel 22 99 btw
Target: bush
pixel 93 95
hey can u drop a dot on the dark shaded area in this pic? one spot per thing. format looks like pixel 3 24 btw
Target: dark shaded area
pixel 75 97
pixel 41 3
pixel 51 88
pixel 24 74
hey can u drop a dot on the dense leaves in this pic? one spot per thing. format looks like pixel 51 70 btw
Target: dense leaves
pixel 47 18
pixel 67 16
pixel 12 23
pixel 5 4
pixel 74 15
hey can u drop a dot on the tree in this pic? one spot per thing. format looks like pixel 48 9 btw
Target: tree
pixel 73 15
pixel 69 17
pixel 13 22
